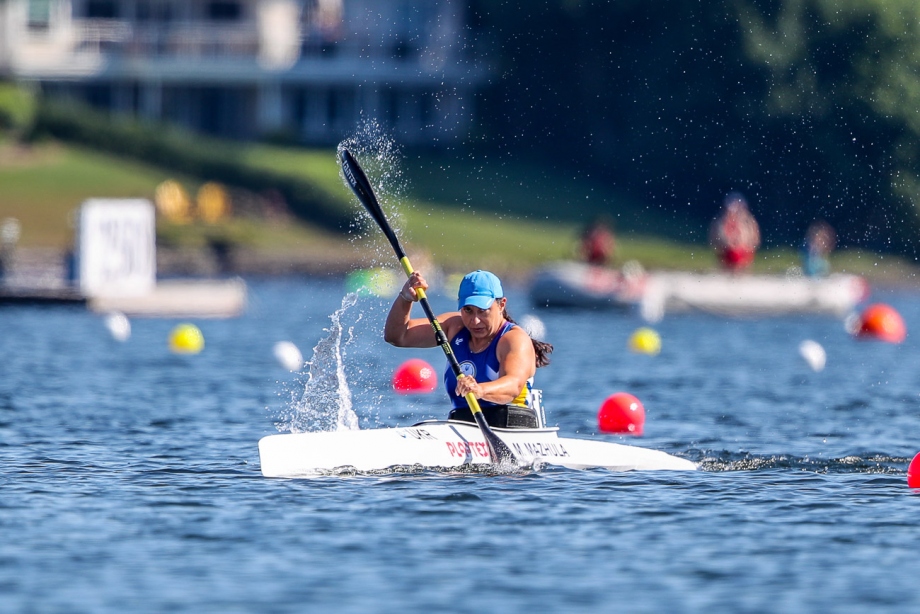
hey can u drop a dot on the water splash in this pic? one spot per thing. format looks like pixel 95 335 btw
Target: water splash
pixel 326 401
pixel 380 157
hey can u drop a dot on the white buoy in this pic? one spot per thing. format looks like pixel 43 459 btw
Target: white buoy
pixel 813 354
pixel 288 356
pixel 534 326
pixel 119 326
pixel 851 323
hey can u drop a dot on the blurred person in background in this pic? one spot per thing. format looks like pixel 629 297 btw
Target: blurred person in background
pixel 820 240
pixel 735 234
pixel 598 243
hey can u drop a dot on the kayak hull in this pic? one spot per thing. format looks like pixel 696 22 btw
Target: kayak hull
pixel 445 445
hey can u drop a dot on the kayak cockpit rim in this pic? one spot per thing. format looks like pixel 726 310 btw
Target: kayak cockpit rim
pixel 498 429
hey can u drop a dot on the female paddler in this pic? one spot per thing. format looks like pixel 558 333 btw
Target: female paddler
pixel 497 355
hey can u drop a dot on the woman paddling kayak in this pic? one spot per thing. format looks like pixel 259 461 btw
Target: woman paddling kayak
pixel 497 355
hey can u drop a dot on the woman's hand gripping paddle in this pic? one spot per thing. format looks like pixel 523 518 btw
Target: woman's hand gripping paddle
pixel 499 451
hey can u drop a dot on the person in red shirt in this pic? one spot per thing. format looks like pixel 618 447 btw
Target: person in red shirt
pixel 598 243
pixel 735 234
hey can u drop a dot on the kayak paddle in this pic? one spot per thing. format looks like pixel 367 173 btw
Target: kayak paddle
pixel 500 453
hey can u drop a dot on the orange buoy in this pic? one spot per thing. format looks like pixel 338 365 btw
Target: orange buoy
pixel 882 322
pixel 415 376
pixel 621 413
pixel 913 472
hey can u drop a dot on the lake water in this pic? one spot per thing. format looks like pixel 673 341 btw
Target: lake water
pixel 131 480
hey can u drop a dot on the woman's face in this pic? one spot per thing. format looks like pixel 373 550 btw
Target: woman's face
pixel 483 323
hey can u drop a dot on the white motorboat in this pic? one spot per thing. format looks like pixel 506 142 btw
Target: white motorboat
pixel 576 284
pixel 445 445
pixel 751 295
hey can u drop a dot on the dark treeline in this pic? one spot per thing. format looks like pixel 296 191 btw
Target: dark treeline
pixel 811 108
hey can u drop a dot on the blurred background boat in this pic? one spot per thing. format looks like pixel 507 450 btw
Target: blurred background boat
pixel 751 295
pixel 578 285
pixel 581 285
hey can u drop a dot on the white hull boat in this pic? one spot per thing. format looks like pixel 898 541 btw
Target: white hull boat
pixel 576 284
pixel 445 445
pixel 751 295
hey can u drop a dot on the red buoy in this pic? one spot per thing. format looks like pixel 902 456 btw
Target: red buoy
pixel 913 472
pixel 415 376
pixel 621 413
pixel 882 322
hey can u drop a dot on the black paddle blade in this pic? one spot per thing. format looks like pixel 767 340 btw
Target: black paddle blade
pixel 500 453
pixel 361 186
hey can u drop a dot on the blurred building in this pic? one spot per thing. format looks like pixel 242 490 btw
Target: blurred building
pixel 308 70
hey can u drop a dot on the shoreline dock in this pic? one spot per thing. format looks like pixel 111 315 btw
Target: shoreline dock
pixel 39 277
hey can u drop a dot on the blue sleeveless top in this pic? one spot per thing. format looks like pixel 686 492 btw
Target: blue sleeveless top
pixel 482 366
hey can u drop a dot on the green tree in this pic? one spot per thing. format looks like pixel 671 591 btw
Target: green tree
pixel 807 106
pixel 850 69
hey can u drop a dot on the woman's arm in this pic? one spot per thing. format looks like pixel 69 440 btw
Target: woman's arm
pixel 518 363
pixel 403 331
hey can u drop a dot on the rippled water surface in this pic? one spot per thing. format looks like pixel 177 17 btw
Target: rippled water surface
pixel 131 481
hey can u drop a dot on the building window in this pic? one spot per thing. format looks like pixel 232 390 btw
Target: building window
pixel 341 108
pixel 98 95
pixel 428 109
pixel 225 11
pixel 39 14
pixel 404 49
pixel 101 9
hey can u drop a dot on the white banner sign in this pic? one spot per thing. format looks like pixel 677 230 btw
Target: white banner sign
pixel 117 247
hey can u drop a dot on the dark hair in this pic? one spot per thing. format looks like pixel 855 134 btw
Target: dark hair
pixel 541 348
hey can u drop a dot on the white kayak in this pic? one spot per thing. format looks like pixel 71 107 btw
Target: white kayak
pixel 445 445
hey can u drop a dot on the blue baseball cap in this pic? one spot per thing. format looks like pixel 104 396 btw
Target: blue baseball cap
pixel 479 289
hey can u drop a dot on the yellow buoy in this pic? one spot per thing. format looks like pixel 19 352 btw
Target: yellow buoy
pixel 645 341
pixel 186 339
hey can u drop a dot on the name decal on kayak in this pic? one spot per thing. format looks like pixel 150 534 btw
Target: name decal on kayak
pixel 539 449
pixel 463 449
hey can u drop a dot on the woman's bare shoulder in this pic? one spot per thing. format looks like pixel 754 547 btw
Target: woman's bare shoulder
pixel 514 336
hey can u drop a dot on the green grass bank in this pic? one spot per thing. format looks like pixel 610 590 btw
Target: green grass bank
pixel 460 214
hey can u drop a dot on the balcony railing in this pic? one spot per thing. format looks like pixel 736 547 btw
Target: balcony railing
pixel 190 39
pixel 186 39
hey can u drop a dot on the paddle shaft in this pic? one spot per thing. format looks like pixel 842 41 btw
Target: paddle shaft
pixel 361 186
